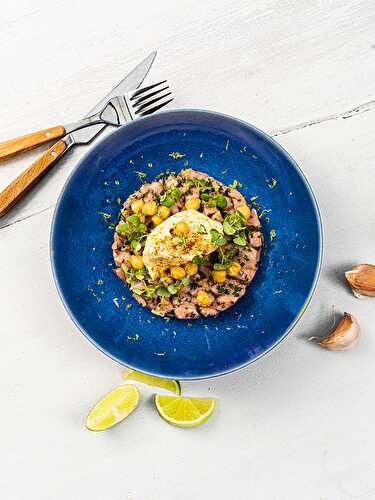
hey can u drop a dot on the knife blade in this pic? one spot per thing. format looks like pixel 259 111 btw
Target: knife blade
pixel 131 82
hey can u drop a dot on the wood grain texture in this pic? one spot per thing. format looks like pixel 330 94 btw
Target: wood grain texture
pixel 26 180
pixel 29 141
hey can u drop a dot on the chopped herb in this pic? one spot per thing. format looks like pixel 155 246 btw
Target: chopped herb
pixel 233 223
pixel 200 261
pixel 150 165
pixel 128 306
pixel 105 215
pixel 253 198
pixel 162 291
pixel 235 184
pixel 135 246
pixel 263 212
pixel 118 201
pixel 176 155
pixel 115 301
pixel 243 149
pixel 117 183
pixel 201 155
pixel 272 183
pixel 186 163
pixel 100 282
pixel 131 162
pixel 254 156
pixel 272 234
pixel 170 197
pixel 240 240
pixel 141 175
pixel 226 146
pixel 202 229
pixel 179 240
pixel 217 238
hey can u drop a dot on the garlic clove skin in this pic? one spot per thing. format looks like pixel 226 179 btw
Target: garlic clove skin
pixel 362 280
pixel 343 337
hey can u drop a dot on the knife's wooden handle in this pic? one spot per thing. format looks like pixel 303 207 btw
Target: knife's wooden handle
pixel 29 141
pixel 21 184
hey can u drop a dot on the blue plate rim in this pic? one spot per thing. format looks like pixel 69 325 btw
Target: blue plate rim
pixel 309 190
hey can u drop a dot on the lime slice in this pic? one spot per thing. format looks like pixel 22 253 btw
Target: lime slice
pixel 113 408
pixel 184 412
pixel 164 383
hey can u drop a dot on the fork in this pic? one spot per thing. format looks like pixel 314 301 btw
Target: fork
pixel 118 111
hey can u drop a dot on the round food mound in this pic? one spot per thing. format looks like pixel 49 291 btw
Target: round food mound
pixel 187 245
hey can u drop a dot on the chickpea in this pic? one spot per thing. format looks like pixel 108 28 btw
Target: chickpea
pixel 164 212
pixel 156 219
pixel 191 268
pixel 245 211
pixel 234 269
pixel 136 261
pixel 219 276
pixel 150 208
pixel 137 206
pixel 203 298
pixel 178 272
pixel 193 204
pixel 181 228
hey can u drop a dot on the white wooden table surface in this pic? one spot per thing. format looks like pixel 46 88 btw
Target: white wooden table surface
pixel 299 423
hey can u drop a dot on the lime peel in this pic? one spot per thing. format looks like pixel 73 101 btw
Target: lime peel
pixel 164 383
pixel 113 408
pixel 184 412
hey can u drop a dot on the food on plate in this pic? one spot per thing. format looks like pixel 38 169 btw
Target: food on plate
pixel 187 245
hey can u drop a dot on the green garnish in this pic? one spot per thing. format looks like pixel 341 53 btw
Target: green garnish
pixel 162 291
pixel 240 240
pixel 170 197
pixel 134 231
pixel 176 155
pixel 272 183
pixel 200 261
pixel 217 238
pixel 235 184
pixel 105 215
pixel 135 246
pixel 202 229
pixel 179 240
pixel 141 175
pixel 272 234
pixel 233 223
pixel 226 259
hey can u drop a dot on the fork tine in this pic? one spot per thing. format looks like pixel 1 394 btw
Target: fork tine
pixel 145 89
pixel 155 108
pixel 151 94
pixel 146 104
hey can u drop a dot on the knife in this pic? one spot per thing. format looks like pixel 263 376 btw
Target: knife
pixel 29 177
pixel 30 141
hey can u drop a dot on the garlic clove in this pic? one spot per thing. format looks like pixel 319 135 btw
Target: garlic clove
pixel 362 280
pixel 344 336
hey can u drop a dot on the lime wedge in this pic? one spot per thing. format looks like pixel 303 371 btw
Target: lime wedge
pixel 113 408
pixel 164 383
pixel 184 412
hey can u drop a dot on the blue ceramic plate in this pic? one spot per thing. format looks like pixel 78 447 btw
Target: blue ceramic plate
pixel 101 305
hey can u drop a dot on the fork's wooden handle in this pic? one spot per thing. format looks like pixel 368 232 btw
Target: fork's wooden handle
pixel 29 141
pixel 21 184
